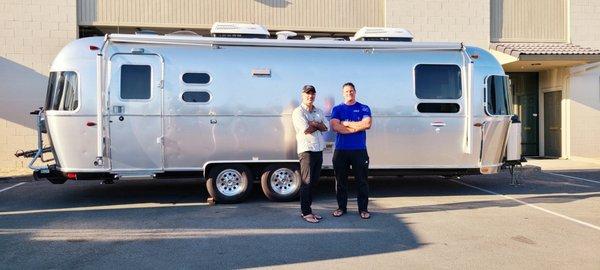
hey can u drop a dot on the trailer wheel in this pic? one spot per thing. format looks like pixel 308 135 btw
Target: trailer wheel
pixel 281 182
pixel 57 180
pixel 229 183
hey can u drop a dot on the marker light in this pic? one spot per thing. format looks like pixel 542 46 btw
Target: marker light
pixel 94 48
pixel 72 176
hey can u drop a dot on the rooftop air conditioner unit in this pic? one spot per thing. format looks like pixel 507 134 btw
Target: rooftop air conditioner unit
pixel 383 34
pixel 239 30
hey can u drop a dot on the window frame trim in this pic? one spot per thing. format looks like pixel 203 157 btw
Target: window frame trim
pixel 195 103
pixel 462 79
pixel 460 109
pixel 485 96
pixel 140 100
pixel 61 112
pixel 210 78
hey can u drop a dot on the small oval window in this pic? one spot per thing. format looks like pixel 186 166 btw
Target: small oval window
pixel 196 78
pixel 438 107
pixel 196 96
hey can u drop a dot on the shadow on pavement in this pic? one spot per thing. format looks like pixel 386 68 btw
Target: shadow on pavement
pixel 188 233
pixel 251 234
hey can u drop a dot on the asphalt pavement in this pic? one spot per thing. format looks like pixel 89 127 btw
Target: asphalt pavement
pixel 551 221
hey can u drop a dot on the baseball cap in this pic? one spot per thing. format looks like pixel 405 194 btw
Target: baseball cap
pixel 308 88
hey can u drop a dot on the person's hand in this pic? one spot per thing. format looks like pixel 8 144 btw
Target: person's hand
pixel 346 123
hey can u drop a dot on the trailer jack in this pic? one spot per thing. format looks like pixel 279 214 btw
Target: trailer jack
pixel 515 168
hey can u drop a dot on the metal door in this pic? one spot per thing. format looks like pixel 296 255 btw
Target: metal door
pixel 135 112
pixel 552 125
pixel 525 95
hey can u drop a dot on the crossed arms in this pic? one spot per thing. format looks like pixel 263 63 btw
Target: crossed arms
pixel 301 124
pixel 347 127
pixel 314 126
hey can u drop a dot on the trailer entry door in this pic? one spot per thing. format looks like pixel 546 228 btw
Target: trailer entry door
pixel 135 109
pixel 437 134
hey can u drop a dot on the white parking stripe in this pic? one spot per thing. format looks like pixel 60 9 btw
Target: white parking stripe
pixel 13 186
pixel 101 207
pixel 573 177
pixel 532 206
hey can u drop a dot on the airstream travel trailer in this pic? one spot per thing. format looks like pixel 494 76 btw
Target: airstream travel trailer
pixel 164 106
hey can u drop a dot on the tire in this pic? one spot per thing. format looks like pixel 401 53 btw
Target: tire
pixel 230 183
pixel 281 182
pixel 57 180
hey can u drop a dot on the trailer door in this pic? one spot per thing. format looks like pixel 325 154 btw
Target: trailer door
pixel 438 133
pixel 135 110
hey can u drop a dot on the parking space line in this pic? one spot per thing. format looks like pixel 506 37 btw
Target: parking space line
pixel 101 207
pixel 13 186
pixel 573 177
pixel 532 206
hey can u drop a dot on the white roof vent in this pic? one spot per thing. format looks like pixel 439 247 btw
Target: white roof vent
pixel 239 30
pixel 383 34
pixel 285 34
pixel 183 33
pixel 146 32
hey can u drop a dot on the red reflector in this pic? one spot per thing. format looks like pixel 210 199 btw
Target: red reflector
pixel 72 176
pixel 90 124
pixel 94 48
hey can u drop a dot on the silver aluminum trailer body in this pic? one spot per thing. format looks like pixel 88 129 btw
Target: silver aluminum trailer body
pixel 252 89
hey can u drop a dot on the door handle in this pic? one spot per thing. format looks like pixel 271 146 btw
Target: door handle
pixel 118 109
pixel 438 124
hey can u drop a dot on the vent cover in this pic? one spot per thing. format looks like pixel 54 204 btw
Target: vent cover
pixel 383 34
pixel 238 30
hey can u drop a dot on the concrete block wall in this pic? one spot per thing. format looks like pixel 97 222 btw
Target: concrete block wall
pixel 585 23
pixel 32 32
pixel 465 21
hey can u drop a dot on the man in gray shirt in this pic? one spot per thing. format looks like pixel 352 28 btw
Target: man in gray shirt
pixel 309 123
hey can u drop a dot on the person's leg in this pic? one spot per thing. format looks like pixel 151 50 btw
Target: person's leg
pixel 316 161
pixel 360 167
pixel 305 175
pixel 340 169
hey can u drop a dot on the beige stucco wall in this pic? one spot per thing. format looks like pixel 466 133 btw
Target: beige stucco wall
pixel 31 34
pixel 580 88
pixel 436 20
pixel 584 114
pixel 585 23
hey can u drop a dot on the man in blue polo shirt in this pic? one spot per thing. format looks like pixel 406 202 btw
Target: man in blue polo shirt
pixel 350 120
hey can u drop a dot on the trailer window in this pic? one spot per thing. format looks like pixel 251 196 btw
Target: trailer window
pixel 62 93
pixel 438 82
pixel 135 81
pixel 196 96
pixel 438 107
pixel 50 90
pixel 196 78
pixel 497 100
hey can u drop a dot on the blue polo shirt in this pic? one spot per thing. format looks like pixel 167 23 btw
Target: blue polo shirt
pixel 355 113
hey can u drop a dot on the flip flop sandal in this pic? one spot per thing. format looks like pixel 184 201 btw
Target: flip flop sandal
pixel 338 213
pixel 310 218
pixel 365 215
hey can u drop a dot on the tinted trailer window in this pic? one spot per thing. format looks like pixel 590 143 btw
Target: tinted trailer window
pixel 135 81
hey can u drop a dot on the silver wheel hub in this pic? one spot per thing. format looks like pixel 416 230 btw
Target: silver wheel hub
pixel 283 181
pixel 230 182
